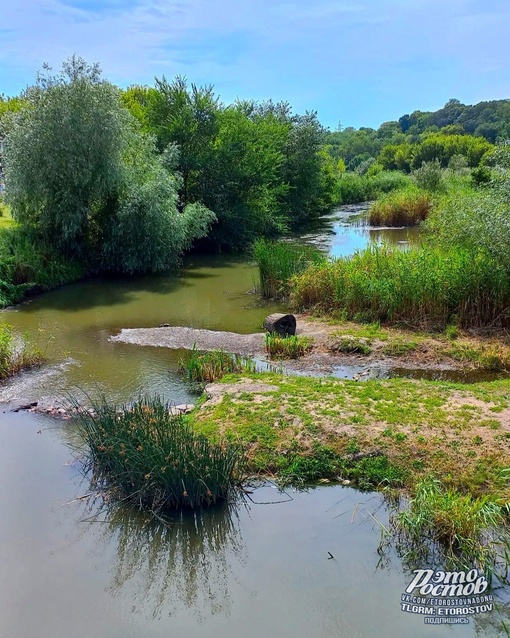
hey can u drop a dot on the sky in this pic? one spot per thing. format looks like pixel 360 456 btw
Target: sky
pixel 357 63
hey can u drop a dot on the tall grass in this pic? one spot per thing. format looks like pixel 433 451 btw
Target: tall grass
pixel 422 286
pixel 16 353
pixel 154 459
pixel 278 262
pixel 401 208
pixel 460 524
pixel 211 366
pixel 352 188
pixel 290 347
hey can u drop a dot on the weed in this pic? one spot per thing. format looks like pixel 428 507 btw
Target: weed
pixel 349 344
pixel 16 352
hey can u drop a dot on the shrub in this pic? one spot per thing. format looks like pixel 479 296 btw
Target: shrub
pixel 429 176
pixel 154 459
pixel 211 366
pixel 349 344
pixel 278 262
pixel 291 347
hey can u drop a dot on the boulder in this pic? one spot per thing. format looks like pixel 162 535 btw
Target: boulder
pixel 283 325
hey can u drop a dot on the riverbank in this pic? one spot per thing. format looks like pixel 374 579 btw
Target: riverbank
pixel 378 433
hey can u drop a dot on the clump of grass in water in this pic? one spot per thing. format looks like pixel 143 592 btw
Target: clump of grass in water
pixel 400 208
pixel 210 366
pixel 278 262
pixel 16 353
pixel 461 525
pixel 291 347
pixel 154 459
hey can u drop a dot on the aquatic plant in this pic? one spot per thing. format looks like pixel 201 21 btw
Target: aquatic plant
pixel 211 366
pixel 400 208
pixel 147 455
pixel 16 352
pixel 290 347
pixel 278 262
pixel 422 286
pixel 459 523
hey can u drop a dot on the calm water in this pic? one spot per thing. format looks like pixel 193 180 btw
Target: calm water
pixel 256 570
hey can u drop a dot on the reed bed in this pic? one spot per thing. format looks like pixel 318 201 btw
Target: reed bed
pixel 278 262
pixel 406 207
pixel 146 455
pixel 425 286
pixel 210 366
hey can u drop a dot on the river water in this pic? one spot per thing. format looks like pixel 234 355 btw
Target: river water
pixel 254 570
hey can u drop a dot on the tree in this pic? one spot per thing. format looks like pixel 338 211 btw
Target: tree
pixel 82 174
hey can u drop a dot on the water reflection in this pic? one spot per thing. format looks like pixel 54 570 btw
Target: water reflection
pixel 169 566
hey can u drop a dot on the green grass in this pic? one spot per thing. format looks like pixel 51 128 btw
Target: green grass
pixel 400 208
pixel 459 523
pixel 278 262
pixel 211 366
pixel 425 286
pixel 16 353
pixel 153 459
pixel 291 347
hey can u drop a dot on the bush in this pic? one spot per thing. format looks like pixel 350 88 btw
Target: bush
pixel 154 459
pixel 429 176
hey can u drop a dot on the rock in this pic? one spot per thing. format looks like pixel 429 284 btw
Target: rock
pixel 25 406
pixel 283 325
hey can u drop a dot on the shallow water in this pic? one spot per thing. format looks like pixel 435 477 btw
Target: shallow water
pixel 258 570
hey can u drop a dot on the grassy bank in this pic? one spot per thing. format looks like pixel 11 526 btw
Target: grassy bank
pixel 422 286
pixel 28 267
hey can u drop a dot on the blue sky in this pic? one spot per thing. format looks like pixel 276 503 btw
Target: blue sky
pixel 356 62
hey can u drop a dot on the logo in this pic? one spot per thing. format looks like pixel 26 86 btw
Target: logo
pixel 447 598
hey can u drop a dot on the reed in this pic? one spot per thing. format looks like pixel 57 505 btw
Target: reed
pixel 16 353
pixel 278 262
pixel 210 366
pixel 425 286
pixel 148 456
pixel 406 207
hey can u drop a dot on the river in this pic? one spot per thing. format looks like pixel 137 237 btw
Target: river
pixel 258 569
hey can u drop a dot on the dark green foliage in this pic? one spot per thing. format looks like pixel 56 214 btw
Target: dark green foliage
pixel 154 459
pixel 27 265
pixel 278 262
pixel 421 286
pixel 211 366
